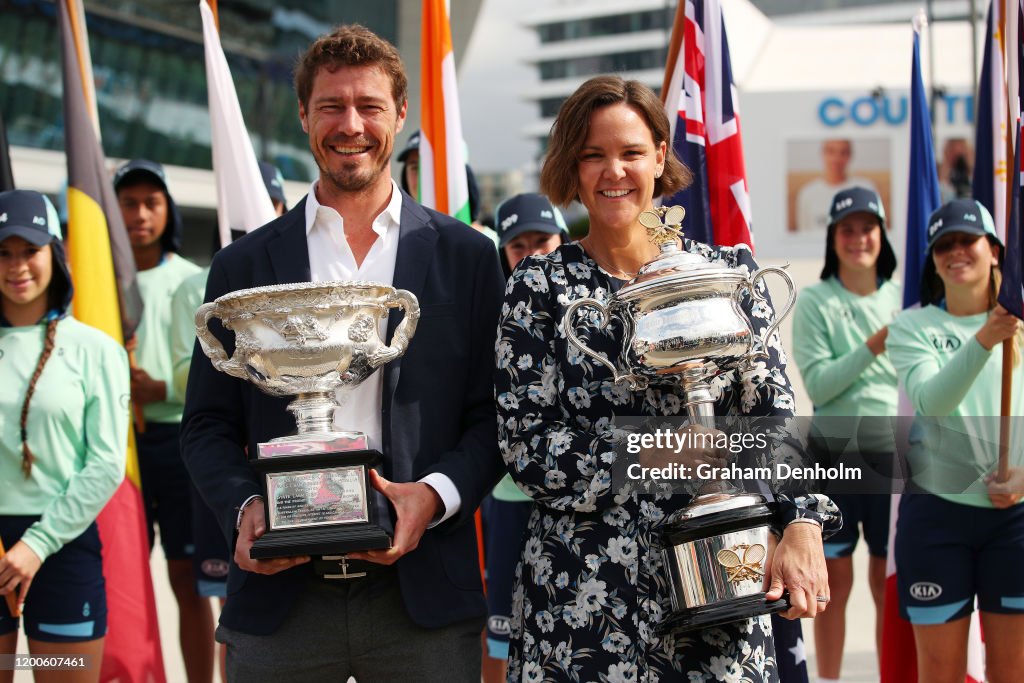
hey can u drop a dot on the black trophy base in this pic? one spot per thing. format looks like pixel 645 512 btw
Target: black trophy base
pixel 330 541
pixel 736 609
pixel 299 524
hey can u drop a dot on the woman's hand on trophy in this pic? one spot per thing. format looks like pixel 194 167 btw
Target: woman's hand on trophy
pixel 416 506
pixel 252 527
pixel 692 445
pixel 797 564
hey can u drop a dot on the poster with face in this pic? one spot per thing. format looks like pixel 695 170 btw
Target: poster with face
pixel 955 161
pixel 817 169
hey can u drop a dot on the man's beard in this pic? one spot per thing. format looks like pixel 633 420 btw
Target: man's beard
pixel 354 177
pixel 351 180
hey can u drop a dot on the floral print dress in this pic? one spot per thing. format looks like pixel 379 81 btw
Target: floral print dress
pixel 589 587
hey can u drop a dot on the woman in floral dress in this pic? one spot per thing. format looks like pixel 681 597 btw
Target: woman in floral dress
pixel 590 592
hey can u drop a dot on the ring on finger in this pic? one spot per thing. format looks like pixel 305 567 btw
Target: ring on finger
pixel 822 599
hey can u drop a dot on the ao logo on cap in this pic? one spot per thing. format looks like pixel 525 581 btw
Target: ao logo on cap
pixel 934 226
pixel 546 214
pixel 925 590
pixel 510 221
pixel 843 203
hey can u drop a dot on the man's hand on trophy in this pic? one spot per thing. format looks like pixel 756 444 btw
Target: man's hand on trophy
pixel 691 446
pixel 251 528
pixel 416 506
pixel 797 564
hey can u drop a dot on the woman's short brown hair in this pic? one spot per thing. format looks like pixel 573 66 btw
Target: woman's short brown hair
pixel 559 179
pixel 350 45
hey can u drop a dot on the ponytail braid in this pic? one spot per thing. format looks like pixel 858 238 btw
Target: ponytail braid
pixel 27 458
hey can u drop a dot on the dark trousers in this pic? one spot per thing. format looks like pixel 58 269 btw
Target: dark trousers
pixel 354 627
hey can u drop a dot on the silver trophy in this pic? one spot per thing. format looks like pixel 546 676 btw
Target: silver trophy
pixel 314 341
pixel 682 324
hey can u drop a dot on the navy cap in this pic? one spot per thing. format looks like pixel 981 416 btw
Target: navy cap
pixel 141 167
pixel 28 215
pixel 413 145
pixel 527 212
pixel 961 215
pixel 853 200
pixel 274 181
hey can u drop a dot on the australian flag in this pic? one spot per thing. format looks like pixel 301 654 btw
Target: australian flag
pixel 701 103
pixel 1011 291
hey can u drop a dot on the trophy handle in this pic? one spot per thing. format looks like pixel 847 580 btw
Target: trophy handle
pixel 752 287
pixel 212 346
pixel 569 325
pixel 406 301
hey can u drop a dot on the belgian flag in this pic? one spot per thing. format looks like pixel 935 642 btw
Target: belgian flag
pixel 107 297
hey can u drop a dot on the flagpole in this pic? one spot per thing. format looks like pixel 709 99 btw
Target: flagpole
pixel 1010 69
pixel 931 66
pixel 974 52
pixel 216 14
pixel 12 597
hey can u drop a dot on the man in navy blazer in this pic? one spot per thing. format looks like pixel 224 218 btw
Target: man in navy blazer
pixel 418 612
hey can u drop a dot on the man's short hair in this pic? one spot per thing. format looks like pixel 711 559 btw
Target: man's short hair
pixel 350 45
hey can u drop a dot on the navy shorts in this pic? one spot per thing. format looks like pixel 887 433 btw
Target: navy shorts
pixel 210 559
pixel 166 489
pixel 862 512
pixel 946 553
pixel 504 528
pixel 67 601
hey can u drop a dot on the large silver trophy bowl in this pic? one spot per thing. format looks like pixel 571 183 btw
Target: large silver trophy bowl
pixel 314 341
pixel 682 324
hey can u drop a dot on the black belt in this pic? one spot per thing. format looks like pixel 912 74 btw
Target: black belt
pixel 339 567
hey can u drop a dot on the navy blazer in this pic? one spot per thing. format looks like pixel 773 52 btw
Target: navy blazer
pixel 438 408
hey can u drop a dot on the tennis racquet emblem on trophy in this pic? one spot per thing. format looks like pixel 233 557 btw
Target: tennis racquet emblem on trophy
pixel 315 341
pixel 683 324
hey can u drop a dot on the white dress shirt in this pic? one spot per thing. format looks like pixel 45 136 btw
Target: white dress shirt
pixel 331 258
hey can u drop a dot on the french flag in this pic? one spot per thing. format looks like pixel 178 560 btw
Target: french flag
pixel 899 654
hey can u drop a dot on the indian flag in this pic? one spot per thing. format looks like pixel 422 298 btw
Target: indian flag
pixel 442 159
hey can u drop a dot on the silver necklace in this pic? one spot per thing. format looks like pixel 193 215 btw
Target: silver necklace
pixel 605 267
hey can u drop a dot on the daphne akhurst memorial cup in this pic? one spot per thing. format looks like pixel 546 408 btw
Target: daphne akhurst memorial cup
pixel 314 341
pixel 682 324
